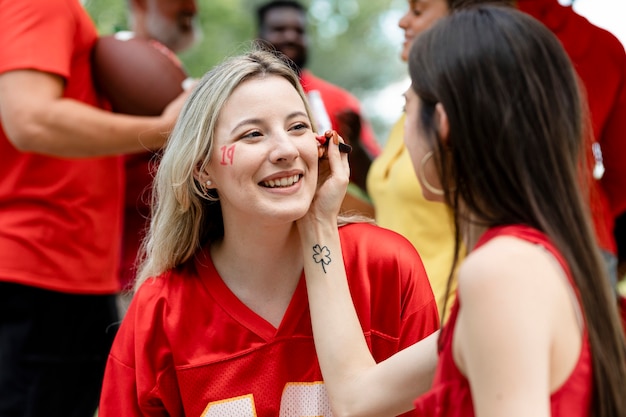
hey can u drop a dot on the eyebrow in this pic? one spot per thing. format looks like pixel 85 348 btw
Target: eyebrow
pixel 257 121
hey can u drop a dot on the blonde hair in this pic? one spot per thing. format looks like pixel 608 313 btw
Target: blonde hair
pixel 184 215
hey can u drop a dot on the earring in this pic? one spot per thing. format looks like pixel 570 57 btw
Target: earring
pixel 208 183
pixel 422 175
pixel 598 168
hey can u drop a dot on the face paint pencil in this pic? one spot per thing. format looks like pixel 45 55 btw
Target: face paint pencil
pixel 343 147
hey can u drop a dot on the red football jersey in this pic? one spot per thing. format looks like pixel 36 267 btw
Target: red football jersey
pixel 189 347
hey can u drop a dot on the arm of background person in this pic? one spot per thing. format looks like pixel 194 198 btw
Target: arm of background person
pixel 36 118
pixel 357 386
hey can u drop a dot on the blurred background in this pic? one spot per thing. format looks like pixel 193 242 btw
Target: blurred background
pixel 354 43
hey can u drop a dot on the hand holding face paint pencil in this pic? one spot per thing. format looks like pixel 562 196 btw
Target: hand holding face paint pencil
pixel 324 140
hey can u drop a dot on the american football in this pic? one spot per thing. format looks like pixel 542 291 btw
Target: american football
pixel 137 76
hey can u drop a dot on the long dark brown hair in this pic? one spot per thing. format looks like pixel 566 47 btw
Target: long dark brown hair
pixel 514 153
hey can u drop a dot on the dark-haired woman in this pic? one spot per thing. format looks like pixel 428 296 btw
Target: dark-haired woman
pixel 494 128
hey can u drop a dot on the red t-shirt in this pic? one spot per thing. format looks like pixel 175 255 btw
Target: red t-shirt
pixel 337 100
pixel 450 395
pixel 189 346
pixel 59 218
pixel 600 61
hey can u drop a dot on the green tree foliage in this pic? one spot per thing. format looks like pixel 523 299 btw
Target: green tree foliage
pixel 350 40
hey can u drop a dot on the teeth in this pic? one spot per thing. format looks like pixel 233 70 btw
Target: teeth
pixel 282 182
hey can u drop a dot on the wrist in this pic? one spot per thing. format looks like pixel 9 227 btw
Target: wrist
pixel 314 229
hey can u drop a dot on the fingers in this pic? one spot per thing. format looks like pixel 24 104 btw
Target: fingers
pixel 338 159
pixel 331 135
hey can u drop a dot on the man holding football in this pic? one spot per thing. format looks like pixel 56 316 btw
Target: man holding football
pixel 61 184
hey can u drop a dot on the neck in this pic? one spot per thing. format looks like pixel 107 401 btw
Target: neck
pixel 471 235
pixel 259 258
pixel 471 230
pixel 261 268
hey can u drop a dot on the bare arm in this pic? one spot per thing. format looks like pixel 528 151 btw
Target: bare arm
pixel 36 118
pixel 357 386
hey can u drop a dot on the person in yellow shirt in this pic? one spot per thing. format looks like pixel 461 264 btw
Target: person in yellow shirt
pixel 395 191
pixel 401 207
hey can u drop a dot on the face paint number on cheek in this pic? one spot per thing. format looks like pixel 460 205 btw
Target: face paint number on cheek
pixel 228 154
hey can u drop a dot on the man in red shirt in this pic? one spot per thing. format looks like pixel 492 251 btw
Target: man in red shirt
pixel 60 209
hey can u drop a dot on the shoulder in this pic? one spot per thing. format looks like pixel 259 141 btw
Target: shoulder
pixel 167 287
pixel 35 13
pixel 154 287
pixel 592 47
pixel 386 273
pixel 509 275
pixel 155 310
pixel 501 257
pixel 384 256
pixel 372 237
pixel 601 37
pixel 605 49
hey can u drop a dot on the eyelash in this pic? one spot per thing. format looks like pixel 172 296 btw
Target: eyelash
pixel 256 133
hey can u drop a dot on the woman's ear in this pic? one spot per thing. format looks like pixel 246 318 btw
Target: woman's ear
pixel 442 122
pixel 203 177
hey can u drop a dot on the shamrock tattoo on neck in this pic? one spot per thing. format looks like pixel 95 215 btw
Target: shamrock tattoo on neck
pixel 321 255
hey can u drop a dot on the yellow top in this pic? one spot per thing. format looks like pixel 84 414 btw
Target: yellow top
pixel 400 206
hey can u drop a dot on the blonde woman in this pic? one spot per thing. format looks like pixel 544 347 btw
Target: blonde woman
pixel 220 324
pixel 494 128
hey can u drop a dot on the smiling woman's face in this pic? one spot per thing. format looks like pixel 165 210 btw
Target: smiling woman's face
pixel 421 15
pixel 265 157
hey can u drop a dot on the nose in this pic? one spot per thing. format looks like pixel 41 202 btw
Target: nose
pixel 292 35
pixel 283 148
pixel 403 22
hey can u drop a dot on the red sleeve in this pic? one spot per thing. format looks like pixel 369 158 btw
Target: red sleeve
pixel 118 397
pixel 139 379
pixel 26 37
